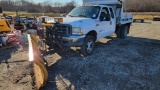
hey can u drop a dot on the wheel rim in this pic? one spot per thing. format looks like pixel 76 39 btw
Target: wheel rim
pixel 90 45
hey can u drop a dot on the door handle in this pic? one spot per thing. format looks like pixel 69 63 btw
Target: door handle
pixel 97 24
pixel 110 22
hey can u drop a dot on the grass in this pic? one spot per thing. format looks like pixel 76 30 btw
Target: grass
pixel 145 15
pixel 30 14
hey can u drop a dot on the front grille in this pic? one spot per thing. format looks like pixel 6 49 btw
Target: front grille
pixel 62 30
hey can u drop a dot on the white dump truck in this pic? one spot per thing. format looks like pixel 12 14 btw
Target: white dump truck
pixel 85 24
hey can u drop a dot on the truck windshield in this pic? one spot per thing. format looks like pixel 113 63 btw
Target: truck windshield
pixel 85 11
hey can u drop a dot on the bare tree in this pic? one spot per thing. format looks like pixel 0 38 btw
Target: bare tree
pixel 58 7
pixel 143 5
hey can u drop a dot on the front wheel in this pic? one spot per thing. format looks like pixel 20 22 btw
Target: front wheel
pixel 88 45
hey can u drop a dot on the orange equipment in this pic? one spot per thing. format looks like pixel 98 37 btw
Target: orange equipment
pixel 4 26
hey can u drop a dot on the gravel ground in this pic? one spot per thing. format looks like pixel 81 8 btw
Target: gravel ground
pixel 116 64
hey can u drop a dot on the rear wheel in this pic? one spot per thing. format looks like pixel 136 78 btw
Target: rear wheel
pixel 88 45
pixel 124 31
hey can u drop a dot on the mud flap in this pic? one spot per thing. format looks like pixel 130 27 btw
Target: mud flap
pixel 40 70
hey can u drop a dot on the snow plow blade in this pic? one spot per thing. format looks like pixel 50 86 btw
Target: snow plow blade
pixel 40 70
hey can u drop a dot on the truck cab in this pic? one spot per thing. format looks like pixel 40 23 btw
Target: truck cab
pixel 90 22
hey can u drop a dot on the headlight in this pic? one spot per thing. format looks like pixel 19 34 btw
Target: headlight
pixel 77 31
pixel 56 20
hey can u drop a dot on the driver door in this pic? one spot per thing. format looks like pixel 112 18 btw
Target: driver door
pixel 104 26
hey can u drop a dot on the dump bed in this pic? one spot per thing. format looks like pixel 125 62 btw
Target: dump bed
pixel 104 2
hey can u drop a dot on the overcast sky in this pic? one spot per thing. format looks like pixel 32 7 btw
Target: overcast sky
pixel 79 2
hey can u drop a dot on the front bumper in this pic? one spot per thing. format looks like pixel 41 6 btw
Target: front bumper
pixel 70 40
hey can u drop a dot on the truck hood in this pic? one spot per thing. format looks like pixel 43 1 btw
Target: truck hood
pixel 75 21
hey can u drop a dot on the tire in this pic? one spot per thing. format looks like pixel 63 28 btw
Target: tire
pixel 88 45
pixel 124 31
pixel 118 32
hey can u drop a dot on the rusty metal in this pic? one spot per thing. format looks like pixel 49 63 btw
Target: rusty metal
pixel 13 39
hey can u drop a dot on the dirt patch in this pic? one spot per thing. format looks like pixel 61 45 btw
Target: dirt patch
pixel 16 71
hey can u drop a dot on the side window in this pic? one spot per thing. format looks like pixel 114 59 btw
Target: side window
pixel 105 10
pixel 112 14
pixel 103 14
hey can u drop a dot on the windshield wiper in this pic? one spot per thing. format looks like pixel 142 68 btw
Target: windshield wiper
pixel 82 15
pixel 78 16
pixel 71 16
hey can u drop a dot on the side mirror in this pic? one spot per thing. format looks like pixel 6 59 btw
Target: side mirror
pixel 63 15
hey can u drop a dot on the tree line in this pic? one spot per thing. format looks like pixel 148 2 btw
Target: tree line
pixel 29 6
pixel 143 5
pixel 57 7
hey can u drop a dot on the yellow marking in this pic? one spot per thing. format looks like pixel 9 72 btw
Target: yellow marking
pixel 45 24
